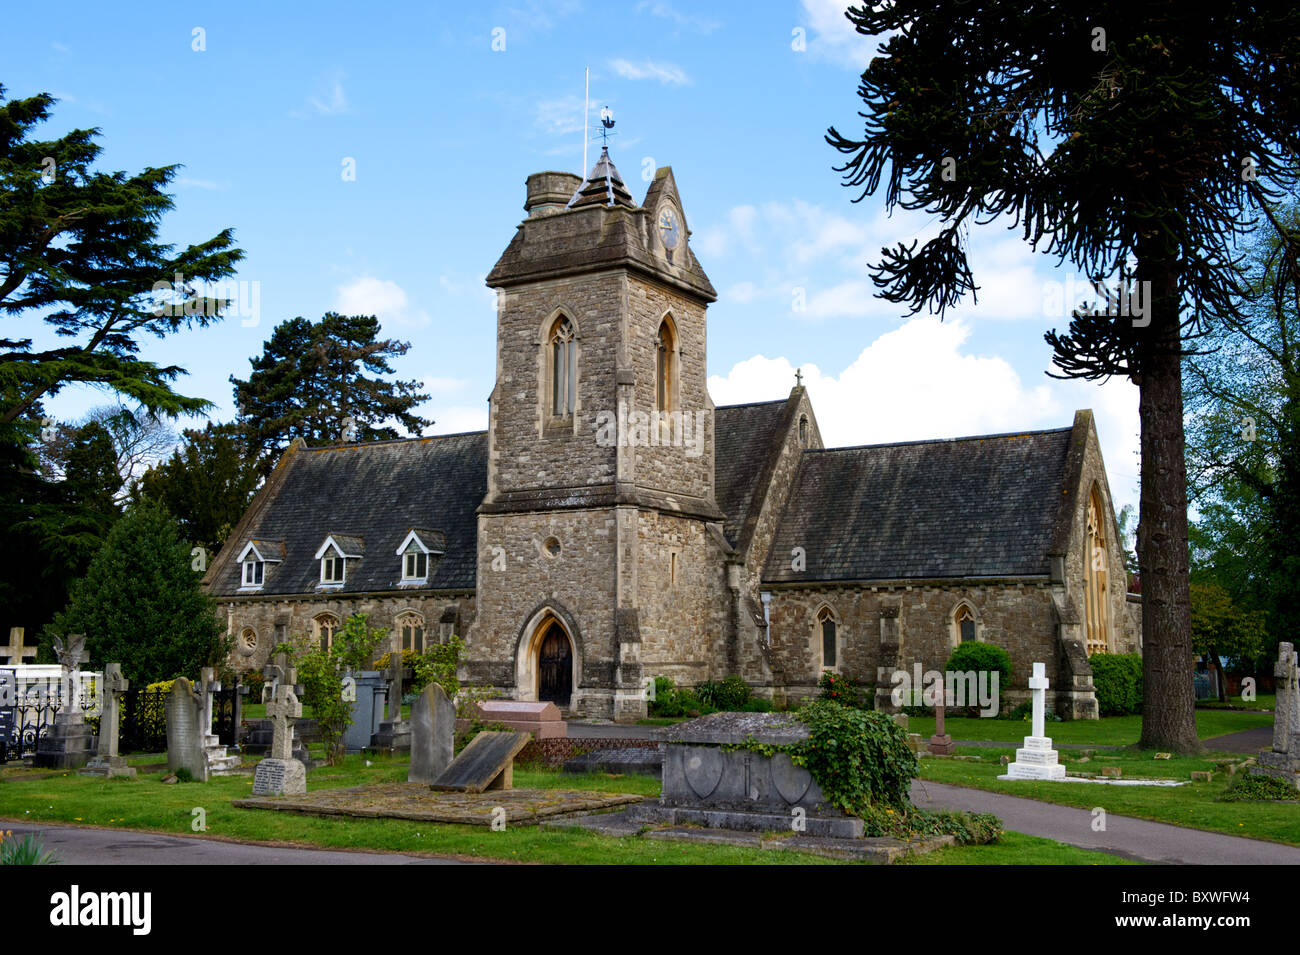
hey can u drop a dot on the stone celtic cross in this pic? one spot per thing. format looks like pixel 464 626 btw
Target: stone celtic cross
pixel 281 710
pixel 114 686
pixel 16 653
pixel 1286 711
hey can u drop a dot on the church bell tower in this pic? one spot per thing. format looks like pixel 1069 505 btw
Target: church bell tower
pixel 595 550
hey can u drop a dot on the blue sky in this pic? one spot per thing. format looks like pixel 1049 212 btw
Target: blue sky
pixel 442 129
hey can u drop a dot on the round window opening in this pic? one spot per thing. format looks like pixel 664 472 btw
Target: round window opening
pixel 551 547
pixel 248 641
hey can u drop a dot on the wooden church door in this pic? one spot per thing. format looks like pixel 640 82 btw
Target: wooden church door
pixel 555 669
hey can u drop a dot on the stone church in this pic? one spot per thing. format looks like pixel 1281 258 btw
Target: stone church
pixel 612 525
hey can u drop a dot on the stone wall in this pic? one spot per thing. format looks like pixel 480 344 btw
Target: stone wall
pixel 291 618
pixel 1014 614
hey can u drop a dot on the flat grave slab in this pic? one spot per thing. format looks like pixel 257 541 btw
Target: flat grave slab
pixel 486 763
pixel 417 801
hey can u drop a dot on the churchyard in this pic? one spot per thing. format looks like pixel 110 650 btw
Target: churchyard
pixel 728 773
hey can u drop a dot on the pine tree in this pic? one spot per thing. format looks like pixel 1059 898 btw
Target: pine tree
pixel 311 376
pixel 140 603
pixel 1136 140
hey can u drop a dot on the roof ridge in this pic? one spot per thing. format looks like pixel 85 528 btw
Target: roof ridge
pixel 972 437
pixel 371 444
pixel 753 404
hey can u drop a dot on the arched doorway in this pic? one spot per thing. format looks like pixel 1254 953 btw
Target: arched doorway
pixel 555 666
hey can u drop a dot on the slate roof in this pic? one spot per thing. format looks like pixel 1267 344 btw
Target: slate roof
pixel 742 439
pixel 962 507
pixel 374 492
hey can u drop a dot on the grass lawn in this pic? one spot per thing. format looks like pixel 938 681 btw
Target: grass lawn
pixel 1109 731
pixel 1262 701
pixel 1192 805
pixel 35 796
pixel 1015 848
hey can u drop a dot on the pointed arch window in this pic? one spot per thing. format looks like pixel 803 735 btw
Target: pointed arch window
pixel 327 625
pixel 964 624
pixel 411 627
pixel 564 385
pixel 1096 578
pixel 826 629
pixel 665 366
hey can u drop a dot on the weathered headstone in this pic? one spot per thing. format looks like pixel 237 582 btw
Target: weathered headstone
pixel 367 710
pixel 280 774
pixel 69 742
pixel 486 763
pixel 433 731
pixel 107 762
pixel 10 743
pixel 219 763
pixel 1283 761
pixel 185 732
pixel 1037 759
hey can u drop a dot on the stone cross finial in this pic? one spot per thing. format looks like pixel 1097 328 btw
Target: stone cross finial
pixel 16 653
pixel 281 710
pixel 114 686
pixel 798 377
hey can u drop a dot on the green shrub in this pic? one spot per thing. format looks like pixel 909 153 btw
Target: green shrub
pixel 1025 711
pixel 1249 787
pixel 1117 680
pixel 838 689
pixel 730 694
pixel 982 657
pixel 859 758
pixel 757 705
pixel 183 775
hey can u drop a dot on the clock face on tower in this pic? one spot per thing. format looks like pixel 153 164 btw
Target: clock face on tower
pixel 670 227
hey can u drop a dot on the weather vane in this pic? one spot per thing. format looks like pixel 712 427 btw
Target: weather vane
pixel 606 127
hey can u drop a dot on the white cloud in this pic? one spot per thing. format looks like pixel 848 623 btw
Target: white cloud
pixel 328 99
pixel 379 297
pixel 832 37
pixel 457 418
pixel 561 116
pixel 667 73
pixel 916 382
pixel 665 11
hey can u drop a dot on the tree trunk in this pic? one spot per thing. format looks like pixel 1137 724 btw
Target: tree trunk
pixel 1168 710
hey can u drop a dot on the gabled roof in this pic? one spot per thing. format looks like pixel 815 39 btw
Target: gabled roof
pixel 264 550
pixel 346 544
pixel 377 491
pixel 961 507
pixel 742 442
pixel 430 542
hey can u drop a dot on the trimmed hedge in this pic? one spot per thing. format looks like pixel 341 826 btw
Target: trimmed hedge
pixel 1117 679
pixel 987 657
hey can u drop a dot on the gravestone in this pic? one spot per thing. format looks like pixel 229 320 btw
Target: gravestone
pixel 107 762
pixel 1283 760
pixel 10 743
pixel 185 731
pixel 433 731
pixel 707 784
pixel 69 743
pixel 219 763
pixel 367 710
pixel 543 720
pixel 486 763
pixel 280 774
pixel 940 744
pixel 394 734
pixel 276 672
pixel 1037 760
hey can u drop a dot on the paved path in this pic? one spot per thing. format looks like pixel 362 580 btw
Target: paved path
pixel 1247 741
pixel 75 845
pixel 1124 836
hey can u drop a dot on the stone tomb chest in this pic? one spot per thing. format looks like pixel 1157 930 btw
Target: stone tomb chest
pixel 706 784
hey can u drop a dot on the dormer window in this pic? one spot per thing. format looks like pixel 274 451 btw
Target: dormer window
pixel 332 568
pixel 253 560
pixel 334 555
pixel 419 553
